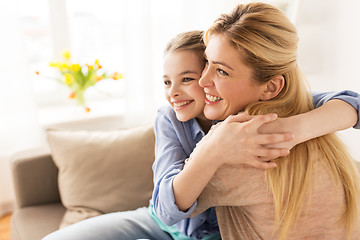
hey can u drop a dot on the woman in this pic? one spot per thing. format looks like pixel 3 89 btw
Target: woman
pixel 314 191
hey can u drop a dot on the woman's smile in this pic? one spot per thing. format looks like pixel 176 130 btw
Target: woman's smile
pixel 211 99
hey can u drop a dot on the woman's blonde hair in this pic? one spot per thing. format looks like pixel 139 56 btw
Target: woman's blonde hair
pixel 269 41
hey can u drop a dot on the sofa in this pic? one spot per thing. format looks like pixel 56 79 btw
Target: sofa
pixel 52 184
pixel 55 185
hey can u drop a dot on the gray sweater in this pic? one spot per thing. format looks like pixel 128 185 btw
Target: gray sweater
pixel 245 208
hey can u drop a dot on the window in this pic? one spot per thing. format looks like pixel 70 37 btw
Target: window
pixel 86 29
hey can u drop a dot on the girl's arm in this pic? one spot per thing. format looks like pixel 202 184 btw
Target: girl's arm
pixel 174 143
pixel 334 111
pixel 234 141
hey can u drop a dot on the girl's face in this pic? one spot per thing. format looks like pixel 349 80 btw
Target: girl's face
pixel 182 71
pixel 227 80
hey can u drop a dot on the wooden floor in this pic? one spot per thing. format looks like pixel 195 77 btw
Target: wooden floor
pixel 5 227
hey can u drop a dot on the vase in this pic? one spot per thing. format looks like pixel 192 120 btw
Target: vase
pixel 79 96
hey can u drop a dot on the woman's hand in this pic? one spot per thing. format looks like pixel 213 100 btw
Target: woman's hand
pixel 237 141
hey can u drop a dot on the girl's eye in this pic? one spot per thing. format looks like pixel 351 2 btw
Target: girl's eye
pixel 188 79
pixel 206 62
pixel 222 73
pixel 167 82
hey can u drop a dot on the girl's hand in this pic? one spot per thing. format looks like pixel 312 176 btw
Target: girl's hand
pixel 282 125
pixel 237 141
pixel 312 124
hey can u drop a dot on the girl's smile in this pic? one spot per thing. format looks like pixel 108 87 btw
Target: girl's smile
pixel 182 71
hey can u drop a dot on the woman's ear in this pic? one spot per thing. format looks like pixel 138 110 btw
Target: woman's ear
pixel 273 88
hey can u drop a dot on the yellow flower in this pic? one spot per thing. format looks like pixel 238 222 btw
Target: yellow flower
pixel 72 95
pixel 77 79
pixel 75 67
pixel 97 64
pixel 55 64
pixel 90 67
pixel 116 76
pixel 68 78
pixel 98 78
pixel 66 55
pixel 64 66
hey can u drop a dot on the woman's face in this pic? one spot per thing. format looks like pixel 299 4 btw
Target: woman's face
pixel 227 80
pixel 182 71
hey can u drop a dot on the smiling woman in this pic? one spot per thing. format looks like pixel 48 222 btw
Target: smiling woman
pixel 231 76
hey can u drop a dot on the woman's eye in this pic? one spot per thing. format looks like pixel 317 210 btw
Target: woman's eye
pixel 188 79
pixel 167 82
pixel 222 72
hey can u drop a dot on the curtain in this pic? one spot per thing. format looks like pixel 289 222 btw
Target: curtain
pixel 329 50
pixel 19 127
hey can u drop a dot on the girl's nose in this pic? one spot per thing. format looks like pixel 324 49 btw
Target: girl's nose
pixel 174 91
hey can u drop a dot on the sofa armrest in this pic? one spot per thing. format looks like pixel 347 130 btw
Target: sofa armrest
pixel 35 177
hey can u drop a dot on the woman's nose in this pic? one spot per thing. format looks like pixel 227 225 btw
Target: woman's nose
pixel 205 80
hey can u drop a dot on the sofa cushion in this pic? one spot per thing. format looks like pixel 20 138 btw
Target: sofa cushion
pixel 35 222
pixel 102 171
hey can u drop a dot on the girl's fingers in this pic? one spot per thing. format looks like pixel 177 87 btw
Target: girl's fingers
pixel 266 139
pixel 240 118
pixel 265 154
pixel 262 165
pixel 260 120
